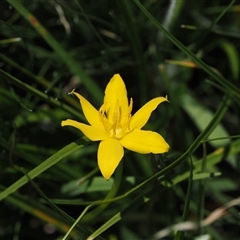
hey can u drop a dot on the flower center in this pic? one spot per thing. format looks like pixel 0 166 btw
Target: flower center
pixel 118 124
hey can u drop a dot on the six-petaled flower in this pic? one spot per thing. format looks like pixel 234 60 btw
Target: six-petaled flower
pixel 115 127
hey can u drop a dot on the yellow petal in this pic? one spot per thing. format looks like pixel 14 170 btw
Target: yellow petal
pixel 110 153
pixel 91 132
pixel 90 112
pixel 116 94
pixel 140 118
pixel 144 142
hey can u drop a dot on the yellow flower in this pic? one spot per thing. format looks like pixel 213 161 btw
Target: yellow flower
pixel 116 128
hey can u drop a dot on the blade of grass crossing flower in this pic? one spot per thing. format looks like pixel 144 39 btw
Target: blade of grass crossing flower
pixel 67 150
pixel 41 95
pixel 224 82
pixel 74 67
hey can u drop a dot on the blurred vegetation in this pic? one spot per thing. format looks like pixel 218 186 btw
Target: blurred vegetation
pixel 49 179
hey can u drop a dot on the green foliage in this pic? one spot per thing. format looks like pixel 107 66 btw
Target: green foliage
pixel 50 185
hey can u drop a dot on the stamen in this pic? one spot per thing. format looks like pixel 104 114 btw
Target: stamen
pixel 127 119
pixel 104 119
pixel 130 106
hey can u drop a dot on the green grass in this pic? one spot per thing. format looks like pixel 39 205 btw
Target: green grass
pixel 50 185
